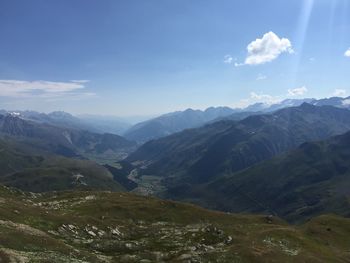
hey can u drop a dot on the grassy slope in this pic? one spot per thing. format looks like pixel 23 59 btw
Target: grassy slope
pixel 30 169
pixel 306 182
pixel 199 155
pixel 121 227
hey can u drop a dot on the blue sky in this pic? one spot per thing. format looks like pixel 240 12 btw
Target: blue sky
pixel 137 57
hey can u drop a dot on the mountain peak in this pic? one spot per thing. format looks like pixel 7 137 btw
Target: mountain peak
pixel 306 105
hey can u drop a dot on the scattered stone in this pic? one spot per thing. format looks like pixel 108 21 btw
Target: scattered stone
pixel 91 233
pixel 90 197
pixel 228 240
pixel 115 231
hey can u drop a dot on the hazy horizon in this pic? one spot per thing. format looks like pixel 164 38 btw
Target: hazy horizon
pixel 140 117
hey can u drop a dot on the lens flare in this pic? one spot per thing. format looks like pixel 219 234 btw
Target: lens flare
pixel 299 40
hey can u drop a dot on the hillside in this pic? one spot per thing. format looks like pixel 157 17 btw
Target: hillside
pixel 309 181
pixel 202 154
pixel 30 169
pixel 115 227
pixel 170 123
pixel 92 123
pixel 65 141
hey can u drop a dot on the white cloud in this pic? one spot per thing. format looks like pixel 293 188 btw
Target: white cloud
pixel 297 91
pixel 256 96
pixel 347 53
pixel 19 88
pixel 262 97
pixel 340 93
pixel 228 59
pixel 266 49
pixel 261 77
pixel 268 99
pixel 80 81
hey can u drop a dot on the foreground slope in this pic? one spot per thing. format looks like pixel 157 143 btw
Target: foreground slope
pixel 115 227
pixel 311 180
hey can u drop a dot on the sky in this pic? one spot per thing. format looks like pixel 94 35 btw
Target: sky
pixel 138 57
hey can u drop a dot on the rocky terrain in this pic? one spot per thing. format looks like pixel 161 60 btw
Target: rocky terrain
pixel 121 227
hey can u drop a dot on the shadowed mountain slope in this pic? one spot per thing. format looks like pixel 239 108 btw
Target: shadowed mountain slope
pixel 64 141
pixel 311 180
pixel 202 154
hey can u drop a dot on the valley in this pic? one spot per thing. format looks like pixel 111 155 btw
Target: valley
pixel 93 197
pixel 174 131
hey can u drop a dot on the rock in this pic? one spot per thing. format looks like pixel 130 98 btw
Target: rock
pixel 101 233
pixel 115 231
pixel 128 245
pixel 269 219
pixel 228 240
pixel 90 197
pixel 91 233
pixel 71 227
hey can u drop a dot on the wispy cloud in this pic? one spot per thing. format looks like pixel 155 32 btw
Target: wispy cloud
pixel 347 53
pixel 340 93
pixel 266 49
pixel 267 99
pixel 40 88
pixel 297 91
pixel 81 81
pixel 261 77
pixel 228 59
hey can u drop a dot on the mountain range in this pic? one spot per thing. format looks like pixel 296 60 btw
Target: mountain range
pixel 194 164
pixel 199 156
pixel 311 180
pixel 165 124
pixel 171 123
pixel 92 123
pixel 174 122
pixel 229 146
pixel 68 142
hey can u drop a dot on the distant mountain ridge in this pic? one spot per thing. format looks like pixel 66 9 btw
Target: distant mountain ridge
pixel 171 123
pixel 96 124
pixel 165 124
pixel 63 141
pixel 338 102
pixel 203 154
